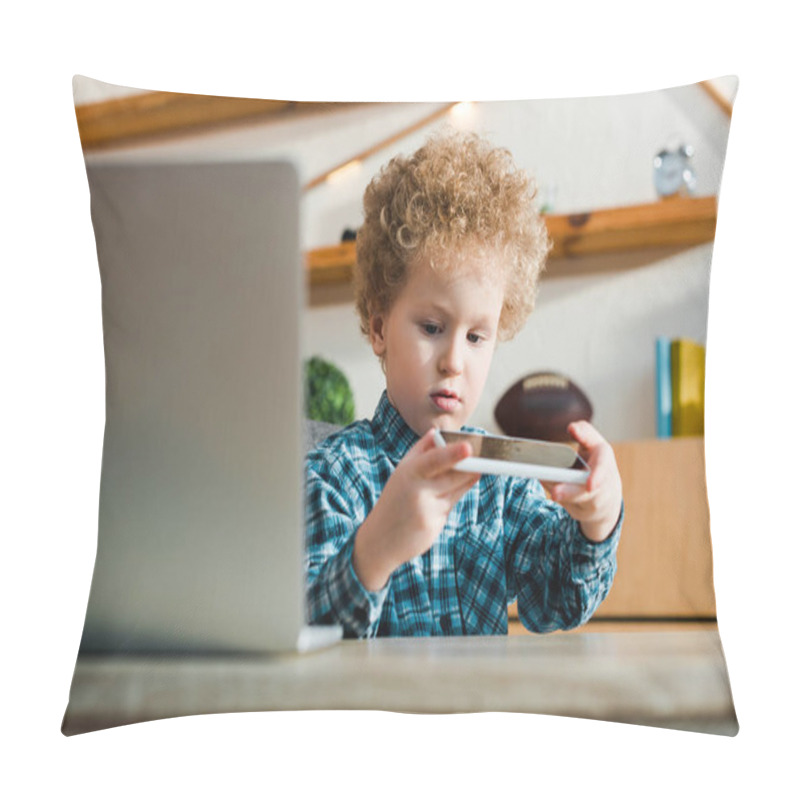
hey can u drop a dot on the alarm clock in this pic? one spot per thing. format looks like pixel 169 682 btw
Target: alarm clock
pixel 672 173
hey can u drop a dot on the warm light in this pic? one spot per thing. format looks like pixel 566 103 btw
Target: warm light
pixel 340 173
pixel 463 109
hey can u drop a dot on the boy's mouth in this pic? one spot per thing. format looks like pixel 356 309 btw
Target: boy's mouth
pixel 445 400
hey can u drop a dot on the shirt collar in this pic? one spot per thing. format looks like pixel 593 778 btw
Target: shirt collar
pixel 392 433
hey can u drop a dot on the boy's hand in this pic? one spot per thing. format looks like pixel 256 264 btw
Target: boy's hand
pixel 597 504
pixel 412 509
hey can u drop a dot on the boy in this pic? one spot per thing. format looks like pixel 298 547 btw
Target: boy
pixel 399 543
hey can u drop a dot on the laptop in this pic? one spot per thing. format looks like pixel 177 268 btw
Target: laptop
pixel 201 525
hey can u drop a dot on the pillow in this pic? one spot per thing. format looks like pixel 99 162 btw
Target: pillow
pixel 628 189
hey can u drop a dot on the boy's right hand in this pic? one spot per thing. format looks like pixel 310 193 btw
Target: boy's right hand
pixel 411 510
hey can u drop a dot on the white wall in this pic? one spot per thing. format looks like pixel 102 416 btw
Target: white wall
pixel 586 153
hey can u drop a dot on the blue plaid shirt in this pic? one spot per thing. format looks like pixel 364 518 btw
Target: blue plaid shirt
pixel 503 541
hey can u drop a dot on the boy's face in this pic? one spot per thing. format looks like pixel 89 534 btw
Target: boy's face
pixel 437 341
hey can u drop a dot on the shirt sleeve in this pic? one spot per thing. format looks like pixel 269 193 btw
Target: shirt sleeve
pixel 334 594
pixel 559 577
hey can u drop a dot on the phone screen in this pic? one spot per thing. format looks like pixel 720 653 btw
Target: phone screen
pixel 521 451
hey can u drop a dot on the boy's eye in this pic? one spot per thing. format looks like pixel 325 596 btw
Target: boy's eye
pixel 474 338
pixel 431 328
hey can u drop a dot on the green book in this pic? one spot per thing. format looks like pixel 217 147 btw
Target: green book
pixel 688 367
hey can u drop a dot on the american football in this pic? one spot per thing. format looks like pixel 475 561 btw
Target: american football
pixel 541 406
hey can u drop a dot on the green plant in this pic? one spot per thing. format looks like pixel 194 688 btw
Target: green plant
pixel 328 396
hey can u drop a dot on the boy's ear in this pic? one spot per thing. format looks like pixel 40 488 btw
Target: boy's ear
pixel 376 335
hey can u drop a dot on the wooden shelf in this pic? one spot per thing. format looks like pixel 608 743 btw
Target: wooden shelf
pixel 672 222
pixel 679 221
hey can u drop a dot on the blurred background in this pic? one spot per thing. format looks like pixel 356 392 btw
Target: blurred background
pixel 628 185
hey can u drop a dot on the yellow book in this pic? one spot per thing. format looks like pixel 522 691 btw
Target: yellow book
pixel 688 365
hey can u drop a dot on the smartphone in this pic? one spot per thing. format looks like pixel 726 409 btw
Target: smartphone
pixel 523 458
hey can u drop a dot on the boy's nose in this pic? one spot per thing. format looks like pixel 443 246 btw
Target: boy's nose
pixel 451 359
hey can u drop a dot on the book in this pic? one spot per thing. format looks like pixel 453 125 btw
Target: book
pixel 688 376
pixel 663 388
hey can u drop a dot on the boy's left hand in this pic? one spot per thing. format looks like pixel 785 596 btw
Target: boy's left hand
pixel 597 504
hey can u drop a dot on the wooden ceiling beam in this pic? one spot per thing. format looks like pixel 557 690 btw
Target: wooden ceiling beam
pixel 718 97
pixel 123 119
pixel 381 145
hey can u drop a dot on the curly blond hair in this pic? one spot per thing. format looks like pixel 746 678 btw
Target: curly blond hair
pixel 456 192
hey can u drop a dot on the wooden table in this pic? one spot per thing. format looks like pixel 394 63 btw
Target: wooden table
pixel 666 679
